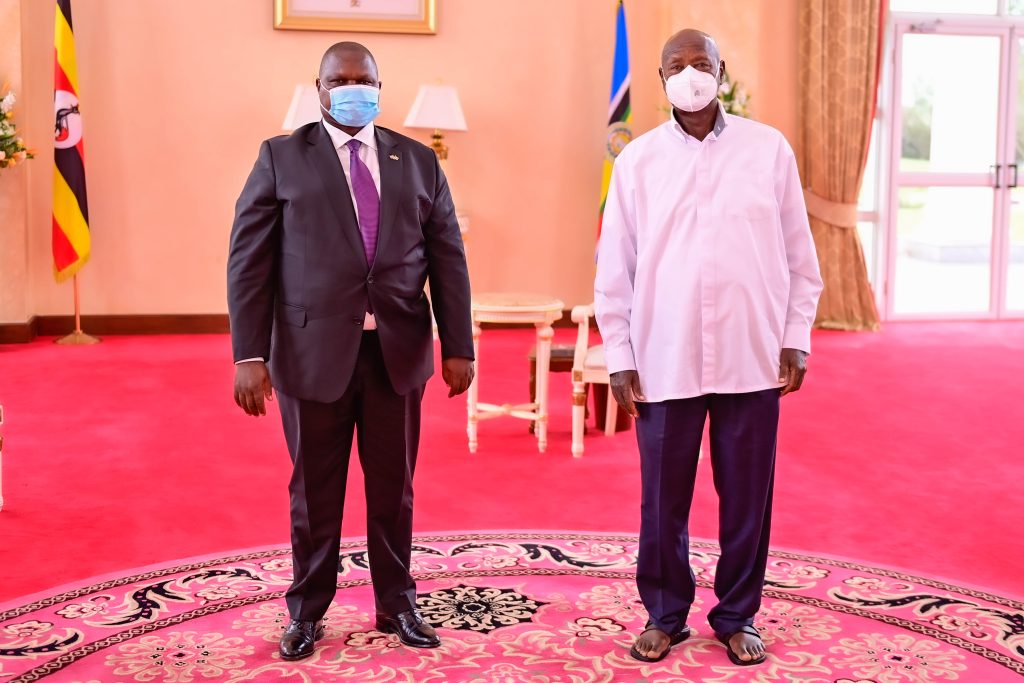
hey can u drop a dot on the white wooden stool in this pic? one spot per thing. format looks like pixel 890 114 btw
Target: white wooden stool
pixel 527 309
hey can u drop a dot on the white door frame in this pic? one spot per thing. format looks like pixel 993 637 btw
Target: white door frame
pixel 1010 170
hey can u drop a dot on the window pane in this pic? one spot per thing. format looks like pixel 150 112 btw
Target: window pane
pixel 1017 7
pixel 868 199
pixel 1019 155
pixel 946 6
pixel 1015 277
pixel 944 250
pixel 934 106
pixel 1015 274
pixel 867 232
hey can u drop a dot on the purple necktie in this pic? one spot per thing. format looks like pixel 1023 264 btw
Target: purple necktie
pixel 367 200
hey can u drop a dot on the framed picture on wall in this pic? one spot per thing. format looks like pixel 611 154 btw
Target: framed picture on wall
pixel 374 16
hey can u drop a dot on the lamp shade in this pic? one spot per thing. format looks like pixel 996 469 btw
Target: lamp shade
pixel 304 108
pixel 436 106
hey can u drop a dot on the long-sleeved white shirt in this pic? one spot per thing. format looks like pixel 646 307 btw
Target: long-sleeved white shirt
pixel 706 267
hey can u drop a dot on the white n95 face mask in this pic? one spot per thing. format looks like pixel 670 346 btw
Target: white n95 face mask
pixel 691 90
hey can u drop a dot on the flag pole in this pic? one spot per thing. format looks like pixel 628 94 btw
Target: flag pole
pixel 78 337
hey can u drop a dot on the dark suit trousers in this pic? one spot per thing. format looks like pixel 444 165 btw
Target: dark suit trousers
pixel 744 428
pixel 319 437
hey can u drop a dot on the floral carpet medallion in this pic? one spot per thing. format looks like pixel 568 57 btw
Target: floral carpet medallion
pixel 510 607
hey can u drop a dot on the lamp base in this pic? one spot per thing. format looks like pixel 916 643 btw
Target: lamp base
pixel 437 144
pixel 78 338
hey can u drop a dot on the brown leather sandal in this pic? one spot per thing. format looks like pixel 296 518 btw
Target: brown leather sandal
pixel 674 639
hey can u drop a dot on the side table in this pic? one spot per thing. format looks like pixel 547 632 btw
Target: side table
pixel 560 361
pixel 527 309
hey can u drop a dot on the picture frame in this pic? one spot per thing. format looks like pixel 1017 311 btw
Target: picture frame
pixel 357 16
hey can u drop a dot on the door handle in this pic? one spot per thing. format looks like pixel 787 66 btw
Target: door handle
pixel 995 172
pixel 1013 183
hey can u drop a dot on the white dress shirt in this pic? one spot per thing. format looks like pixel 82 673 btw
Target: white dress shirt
pixel 706 266
pixel 368 155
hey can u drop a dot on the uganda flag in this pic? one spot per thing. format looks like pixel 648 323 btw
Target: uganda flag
pixel 619 112
pixel 70 208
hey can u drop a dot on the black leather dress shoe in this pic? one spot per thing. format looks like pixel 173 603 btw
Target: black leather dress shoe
pixel 410 629
pixel 300 638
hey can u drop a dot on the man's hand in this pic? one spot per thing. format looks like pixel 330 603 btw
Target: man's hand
pixel 792 368
pixel 458 374
pixel 625 386
pixel 252 385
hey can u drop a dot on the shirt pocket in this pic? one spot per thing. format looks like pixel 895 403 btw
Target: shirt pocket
pixel 749 195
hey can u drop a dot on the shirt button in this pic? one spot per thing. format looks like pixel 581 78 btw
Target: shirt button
pixel 369 280
pixel 357 321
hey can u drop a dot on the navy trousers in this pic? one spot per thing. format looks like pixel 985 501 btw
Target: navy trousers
pixel 744 428
pixel 319 437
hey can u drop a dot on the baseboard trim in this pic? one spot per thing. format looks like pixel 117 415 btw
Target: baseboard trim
pixel 18 333
pixel 188 323
pixel 59 325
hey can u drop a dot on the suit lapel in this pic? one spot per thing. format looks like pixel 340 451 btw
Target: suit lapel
pixel 332 176
pixel 392 167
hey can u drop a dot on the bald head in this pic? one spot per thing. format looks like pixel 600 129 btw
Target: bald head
pixel 691 39
pixel 346 52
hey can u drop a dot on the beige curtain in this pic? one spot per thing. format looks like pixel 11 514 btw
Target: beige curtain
pixel 839 57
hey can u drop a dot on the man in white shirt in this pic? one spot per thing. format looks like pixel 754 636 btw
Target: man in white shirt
pixel 706 290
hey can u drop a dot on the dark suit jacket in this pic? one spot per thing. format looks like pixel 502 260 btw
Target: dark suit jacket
pixel 298 280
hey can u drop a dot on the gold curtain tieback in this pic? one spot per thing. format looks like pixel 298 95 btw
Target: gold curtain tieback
pixel 835 213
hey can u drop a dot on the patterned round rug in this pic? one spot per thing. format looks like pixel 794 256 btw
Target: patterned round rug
pixel 510 607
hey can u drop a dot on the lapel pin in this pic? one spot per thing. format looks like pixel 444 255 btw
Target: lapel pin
pixel 393 157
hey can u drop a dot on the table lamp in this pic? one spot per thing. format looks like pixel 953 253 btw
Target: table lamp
pixel 304 108
pixel 437 107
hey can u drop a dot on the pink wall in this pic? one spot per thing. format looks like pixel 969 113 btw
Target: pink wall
pixel 13 181
pixel 177 97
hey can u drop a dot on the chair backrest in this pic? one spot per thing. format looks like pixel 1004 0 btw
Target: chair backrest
pixel 581 316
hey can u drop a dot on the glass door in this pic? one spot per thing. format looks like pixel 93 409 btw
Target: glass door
pixel 1012 256
pixel 949 243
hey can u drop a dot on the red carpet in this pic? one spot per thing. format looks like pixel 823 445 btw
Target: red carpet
pixel 511 608
pixel 903 449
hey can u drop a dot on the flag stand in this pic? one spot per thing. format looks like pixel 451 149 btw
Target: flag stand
pixel 78 337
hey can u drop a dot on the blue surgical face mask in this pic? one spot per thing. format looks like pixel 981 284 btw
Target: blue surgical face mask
pixel 353 105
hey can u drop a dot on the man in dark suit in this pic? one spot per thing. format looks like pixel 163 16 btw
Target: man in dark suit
pixel 336 232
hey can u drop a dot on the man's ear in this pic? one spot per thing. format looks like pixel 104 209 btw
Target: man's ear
pixel 721 72
pixel 661 76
